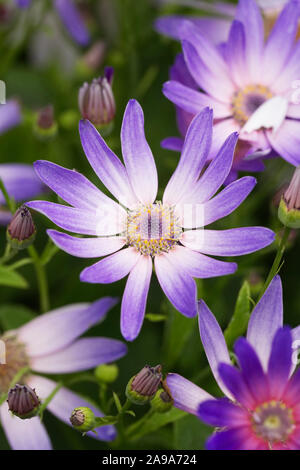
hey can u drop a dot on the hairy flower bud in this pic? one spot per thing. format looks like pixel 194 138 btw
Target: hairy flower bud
pixel 92 59
pixel 83 419
pixel 162 401
pixel 107 373
pixel 96 100
pixel 45 126
pixel 21 230
pixel 143 386
pixel 23 401
pixel 289 208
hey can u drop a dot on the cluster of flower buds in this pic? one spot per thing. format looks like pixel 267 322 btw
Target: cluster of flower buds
pixel 45 126
pixel 21 229
pixel 289 207
pixel 96 100
pixel 83 419
pixel 23 401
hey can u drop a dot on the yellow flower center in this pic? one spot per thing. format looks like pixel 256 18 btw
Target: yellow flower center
pixel 273 421
pixel 247 100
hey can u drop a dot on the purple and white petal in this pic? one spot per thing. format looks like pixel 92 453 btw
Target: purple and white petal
pixel 234 439
pixel 73 21
pixel 194 154
pixel 24 434
pixel 86 247
pixel 99 221
pixel 286 141
pixel 280 361
pixel 186 395
pixel 221 413
pixel 137 155
pixel 10 115
pixel 57 329
pixel 112 268
pixel 135 298
pixel 20 181
pixel 83 354
pixel 213 342
pixel 265 320
pixel 172 143
pixel 235 53
pixel 64 402
pixel 106 164
pixel 232 242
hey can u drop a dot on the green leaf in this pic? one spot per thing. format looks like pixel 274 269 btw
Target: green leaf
pixel 117 402
pixel 155 317
pixel 13 316
pixel 106 420
pixel 177 332
pixel 12 278
pixel 153 423
pixel 239 321
pixel 190 433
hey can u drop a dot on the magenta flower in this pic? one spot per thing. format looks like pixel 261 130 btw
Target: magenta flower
pixel 21 183
pixel 147 228
pixel 251 85
pixel 49 344
pixel 262 407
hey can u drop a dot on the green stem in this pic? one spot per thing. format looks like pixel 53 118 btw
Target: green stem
pixel 41 279
pixel 48 399
pixel 276 264
pixel 134 428
pixel 9 201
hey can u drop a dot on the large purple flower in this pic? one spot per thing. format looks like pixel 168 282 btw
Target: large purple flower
pixel 150 229
pixel 262 408
pixel 252 85
pixel 21 183
pixel 49 344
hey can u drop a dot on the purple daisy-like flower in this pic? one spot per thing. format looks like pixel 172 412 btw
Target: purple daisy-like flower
pixel 21 183
pixel 149 229
pixel 261 410
pixel 50 344
pixel 251 85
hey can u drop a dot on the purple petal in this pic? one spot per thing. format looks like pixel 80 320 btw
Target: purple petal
pixel 23 3
pixel 112 268
pixel 252 370
pixel 101 221
pixel 64 402
pixel 86 247
pixel 192 100
pixel 219 86
pixel 280 361
pixel 235 383
pixel 10 115
pixel 290 72
pixel 286 141
pixel 72 186
pixel 72 20
pixel 221 413
pixel 106 164
pixel 280 42
pixel 221 131
pixel 233 439
pixel 172 143
pixel 176 282
pixel 265 320
pixel 235 53
pixel 292 392
pixel 228 199
pixel 83 354
pixel 138 158
pixel 20 181
pixel 24 434
pixel 5 216
pixel 59 328
pixel 232 242
pixel 215 175
pixel 213 342
pixel 194 154
pixel 135 298
pixel 180 73
pixel 249 14
pixel 186 395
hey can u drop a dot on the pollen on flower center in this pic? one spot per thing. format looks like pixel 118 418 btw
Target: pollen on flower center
pixel 153 229
pixel 246 101
pixel 273 421
pixel 16 359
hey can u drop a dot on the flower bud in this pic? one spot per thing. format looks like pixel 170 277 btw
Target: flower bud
pixel 107 373
pixel 96 100
pixel 83 419
pixel 143 386
pixel 23 401
pixel 21 230
pixel 45 127
pixel 289 208
pixel 92 59
pixel 162 401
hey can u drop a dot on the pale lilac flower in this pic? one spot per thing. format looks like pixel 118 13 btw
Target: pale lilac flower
pixel 10 115
pixel 150 230
pixel 21 183
pixel 50 344
pixel 262 407
pixel 251 85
